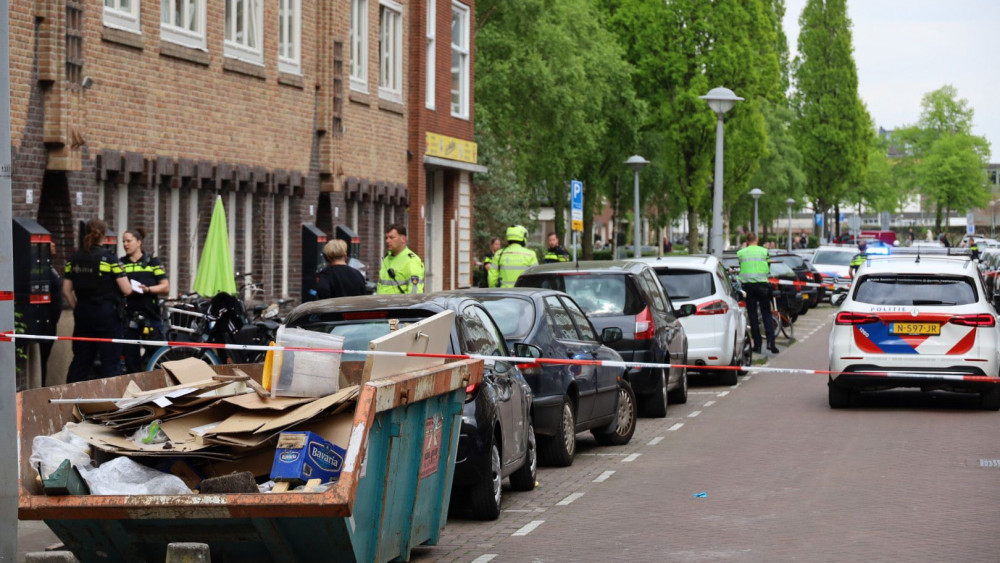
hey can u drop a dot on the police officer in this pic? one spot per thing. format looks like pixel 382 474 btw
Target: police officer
pixel 754 270
pixel 93 287
pixel 859 258
pixel 974 249
pixel 555 253
pixel 142 308
pixel 488 261
pixel 402 270
pixel 512 260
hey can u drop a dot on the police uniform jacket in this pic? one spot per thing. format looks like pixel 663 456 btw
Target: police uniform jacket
pixel 148 271
pixel 94 275
pixel 407 274
pixel 557 254
pixel 509 263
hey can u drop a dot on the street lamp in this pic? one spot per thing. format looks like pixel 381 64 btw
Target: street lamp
pixel 790 202
pixel 636 163
pixel 756 193
pixel 720 100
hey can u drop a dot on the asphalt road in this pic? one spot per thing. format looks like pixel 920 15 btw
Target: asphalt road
pixel 761 471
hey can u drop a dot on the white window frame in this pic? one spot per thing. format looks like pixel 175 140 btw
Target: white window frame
pixel 241 49
pixel 390 56
pixel 462 50
pixel 359 45
pixel 187 33
pixel 123 15
pixel 431 53
pixel 290 36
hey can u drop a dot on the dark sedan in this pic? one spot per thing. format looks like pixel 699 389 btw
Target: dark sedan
pixel 568 399
pixel 497 439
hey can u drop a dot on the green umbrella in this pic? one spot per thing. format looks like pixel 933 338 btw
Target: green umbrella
pixel 215 269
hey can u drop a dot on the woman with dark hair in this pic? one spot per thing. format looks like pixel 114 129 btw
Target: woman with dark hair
pixel 93 287
pixel 142 308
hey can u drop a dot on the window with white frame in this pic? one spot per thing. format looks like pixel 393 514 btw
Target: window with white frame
pixel 459 60
pixel 183 22
pixel 244 30
pixel 431 51
pixel 359 45
pixel 290 36
pixel 122 14
pixel 390 82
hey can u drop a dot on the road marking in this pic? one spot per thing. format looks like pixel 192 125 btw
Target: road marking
pixel 527 528
pixel 655 441
pixel 701 392
pixel 604 476
pixel 675 427
pixel 566 501
pixel 518 510
pixel 485 558
pixel 694 414
pixel 631 458
pixel 604 455
pixel 747 377
pixel 710 403
pixel 723 394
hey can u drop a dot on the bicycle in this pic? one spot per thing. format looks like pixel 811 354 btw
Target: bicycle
pixel 781 316
pixel 187 320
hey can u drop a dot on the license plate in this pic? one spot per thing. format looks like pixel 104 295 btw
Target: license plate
pixel 805 297
pixel 915 328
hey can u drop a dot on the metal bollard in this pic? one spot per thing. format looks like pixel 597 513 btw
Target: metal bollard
pixel 188 552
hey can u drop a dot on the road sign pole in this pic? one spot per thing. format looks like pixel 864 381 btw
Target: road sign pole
pixel 8 383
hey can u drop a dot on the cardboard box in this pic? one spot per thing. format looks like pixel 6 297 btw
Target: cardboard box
pixel 301 456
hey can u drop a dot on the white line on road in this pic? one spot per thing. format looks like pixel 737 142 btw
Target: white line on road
pixel 604 455
pixel 746 378
pixel 604 476
pixel 723 394
pixel 485 558
pixel 655 441
pixel 631 457
pixel 527 528
pixel 566 501
pixel 675 427
pixel 694 414
pixel 701 392
pixel 710 403
pixel 518 510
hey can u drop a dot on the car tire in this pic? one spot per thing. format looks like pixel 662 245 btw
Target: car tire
pixel 526 476
pixel 840 397
pixel 990 400
pixel 679 396
pixel 558 450
pixel 620 431
pixel 655 403
pixel 747 359
pixel 484 497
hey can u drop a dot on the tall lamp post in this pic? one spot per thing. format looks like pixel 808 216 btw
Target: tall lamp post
pixel 636 163
pixel 756 193
pixel 720 100
pixel 790 202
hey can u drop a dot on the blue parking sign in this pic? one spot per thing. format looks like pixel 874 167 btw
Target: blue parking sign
pixel 819 219
pixel 576 197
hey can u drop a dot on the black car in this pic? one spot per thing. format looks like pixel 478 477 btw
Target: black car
pixel 544 323
pixel 628 296
pixel 497 439
pixel 804 273
pixel 788 297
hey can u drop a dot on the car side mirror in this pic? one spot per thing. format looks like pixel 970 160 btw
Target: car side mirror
pixel 522 350
pixel 837 299
pixel 611 334
pixel 686 310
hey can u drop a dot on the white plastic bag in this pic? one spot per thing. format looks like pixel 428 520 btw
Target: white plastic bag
pixel 52 450
pixel 122 476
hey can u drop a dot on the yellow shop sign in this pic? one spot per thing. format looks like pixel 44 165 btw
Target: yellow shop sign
pixel 451 148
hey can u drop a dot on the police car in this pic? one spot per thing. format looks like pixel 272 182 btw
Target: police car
pixel 915 321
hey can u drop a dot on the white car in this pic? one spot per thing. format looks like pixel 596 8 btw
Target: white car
pixel 834 265
pixel 926 320
pixel 717 331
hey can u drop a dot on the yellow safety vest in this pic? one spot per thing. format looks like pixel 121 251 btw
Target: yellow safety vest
pixel 754 267
pixel 407 274
pixel 510 262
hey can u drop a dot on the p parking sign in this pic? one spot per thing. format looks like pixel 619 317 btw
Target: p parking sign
pixel 576 197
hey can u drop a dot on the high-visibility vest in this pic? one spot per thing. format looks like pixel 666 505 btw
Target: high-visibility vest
pixel 557 254
pixel 754 267
pixel 407 274
pixel 857 261
pixel 509 263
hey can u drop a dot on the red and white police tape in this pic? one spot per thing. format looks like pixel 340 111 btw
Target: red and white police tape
pixel 947 376
pixel 799 284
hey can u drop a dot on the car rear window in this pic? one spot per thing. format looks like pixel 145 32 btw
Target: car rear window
pixel 514 316
pixel 684 285
pixel 791 261
pixel 833 258
pixel 359 328
pixel 596 294
pixel 916 289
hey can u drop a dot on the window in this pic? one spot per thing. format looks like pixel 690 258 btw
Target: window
pixel 122 14
pixel 431 51
pixel 559 320
pixel 183 22
pixel 687 285
pixel 289 36
pixel 916 289
pixel 514 316
pixel 359 45
pixel 390 83
pixel 243 30
pixel 586 329
pixel 459 60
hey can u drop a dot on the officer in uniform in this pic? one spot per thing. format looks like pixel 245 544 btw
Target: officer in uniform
pixel 402 270
pixel 974 249
pixel 93 287
pixel 142 308
pixel 754 270
pixel 488 261
pixel 512 260
pixel 555 253
pixel 859 258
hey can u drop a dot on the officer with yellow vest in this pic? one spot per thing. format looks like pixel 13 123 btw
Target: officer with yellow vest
pixel 402 270
pixel 859 258
pixel 754 270
pixel 974 249
pixel 512 260
pixel 555 253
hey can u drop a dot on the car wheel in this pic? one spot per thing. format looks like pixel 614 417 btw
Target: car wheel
pixel 747 359
pixel 485 496
pixel 620 432
pixel 840 397
pixel 679 396
pixel 655 403
pixel 524 479
pixel 990 400
pixel 559 449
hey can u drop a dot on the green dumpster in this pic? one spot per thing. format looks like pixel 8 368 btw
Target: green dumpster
pixel 392 494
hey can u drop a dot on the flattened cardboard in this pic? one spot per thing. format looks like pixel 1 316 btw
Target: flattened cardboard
pixel 242 422
pixel 309 410
pixel 253 401
pixel 179 429
pixel 188 370
pixel 110 440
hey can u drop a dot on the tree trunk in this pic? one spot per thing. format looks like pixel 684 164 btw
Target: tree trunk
pixel 692 229
pixel 614 220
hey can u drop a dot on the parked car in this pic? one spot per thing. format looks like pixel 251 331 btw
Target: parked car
pixel 804 273
pixel 545 323
pixel 787 296
pixel 628 296
pixel 717 331
pixel 834 265
pixel 497 439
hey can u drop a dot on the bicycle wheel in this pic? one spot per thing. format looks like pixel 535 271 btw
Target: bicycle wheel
pixel 171 353
pixel 788 327
pixel 779 322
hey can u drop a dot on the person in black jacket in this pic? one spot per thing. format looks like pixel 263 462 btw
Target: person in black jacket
pixel 338 279
pixel 142 308
pixel 93 287
pixel 54 312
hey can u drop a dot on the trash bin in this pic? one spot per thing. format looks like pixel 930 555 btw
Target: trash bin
pixel 393 492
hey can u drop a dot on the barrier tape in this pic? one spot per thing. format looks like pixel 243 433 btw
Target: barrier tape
pixel 947 376
pixel 800 284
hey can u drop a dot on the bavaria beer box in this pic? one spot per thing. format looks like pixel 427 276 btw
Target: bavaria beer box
pixel 301 456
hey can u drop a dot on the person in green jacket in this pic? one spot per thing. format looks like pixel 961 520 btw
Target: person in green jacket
pixel 512 260
pixel 402 270
pixel 754 271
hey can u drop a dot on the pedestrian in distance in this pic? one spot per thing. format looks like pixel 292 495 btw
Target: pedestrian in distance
pixel 803 241
pixel 54 311
pixel 512 260
pixel 555 252
pixel 754 271
pixel 338 279
pixel 402 270
pixel 94 287
pixel 142 308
